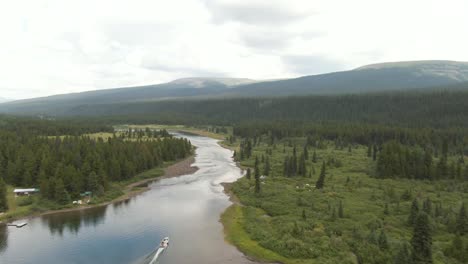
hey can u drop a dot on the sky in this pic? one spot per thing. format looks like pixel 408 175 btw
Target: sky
pixel 54 47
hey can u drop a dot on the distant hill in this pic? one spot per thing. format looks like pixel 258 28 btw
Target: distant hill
pixel 393 76
pixel 3 100
pixel 371 78
pixel 181 88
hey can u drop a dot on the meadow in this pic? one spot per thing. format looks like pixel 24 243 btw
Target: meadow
pixel 355 218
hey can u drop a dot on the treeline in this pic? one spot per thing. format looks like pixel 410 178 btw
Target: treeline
pixel 432 109
pixel 399 161
pixel 144 133
pixel 65 167
pixel 51 127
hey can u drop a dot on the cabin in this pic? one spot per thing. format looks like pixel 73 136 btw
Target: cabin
pixel 25 192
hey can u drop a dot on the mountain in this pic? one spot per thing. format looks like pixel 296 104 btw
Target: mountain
pixel 371 78
pixel 4 100
pixel 181 88
pixel 390 76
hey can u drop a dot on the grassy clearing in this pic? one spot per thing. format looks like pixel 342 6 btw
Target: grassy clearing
pixel 296 222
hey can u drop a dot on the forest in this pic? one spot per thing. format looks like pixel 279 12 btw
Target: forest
pixel 322 193
pixel 436 109
pixel 63 167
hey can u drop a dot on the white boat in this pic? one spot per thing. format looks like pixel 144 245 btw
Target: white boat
pixel 164 243
pixel 162 246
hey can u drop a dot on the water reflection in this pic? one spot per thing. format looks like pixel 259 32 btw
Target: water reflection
pixel 74 220
pixel 185 208
pixel 3 237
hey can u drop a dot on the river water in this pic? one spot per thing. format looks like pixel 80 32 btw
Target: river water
pixel 185 208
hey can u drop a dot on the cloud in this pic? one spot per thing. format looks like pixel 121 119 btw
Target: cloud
pixel 256 11
pixel 70 46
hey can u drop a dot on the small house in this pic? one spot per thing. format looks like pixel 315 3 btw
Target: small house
pixel 22 192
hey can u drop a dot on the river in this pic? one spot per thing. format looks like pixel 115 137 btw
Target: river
pixel 185 208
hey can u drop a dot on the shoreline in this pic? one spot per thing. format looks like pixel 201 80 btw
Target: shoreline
pixel 181 167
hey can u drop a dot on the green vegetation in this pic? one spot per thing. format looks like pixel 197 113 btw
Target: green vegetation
pixel 342 210
pixel 65 167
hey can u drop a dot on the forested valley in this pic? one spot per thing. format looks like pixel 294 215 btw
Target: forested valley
pixel 371 178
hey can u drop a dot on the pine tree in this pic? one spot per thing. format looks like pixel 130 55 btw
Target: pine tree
pixel 314 157
pixel 462 221
pixel 257 178
pixel 383 242
pixel 266 168
pixel 414 212
pixel 403 256
pixel 321 180
pixel 3 195
pixel 306 152
pixel 421 242
pixel 61 195
pixel 304 216
pixel 457 250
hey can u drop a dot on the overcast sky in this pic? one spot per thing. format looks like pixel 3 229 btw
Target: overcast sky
pixel 50 47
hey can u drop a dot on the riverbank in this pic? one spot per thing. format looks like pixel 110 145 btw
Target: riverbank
pixel 128 189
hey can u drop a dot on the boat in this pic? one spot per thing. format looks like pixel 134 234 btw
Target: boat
pixel 18 225
pixel 162 246
pixel 164 243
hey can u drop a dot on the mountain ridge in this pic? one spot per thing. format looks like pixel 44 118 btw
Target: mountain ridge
pixel 389 76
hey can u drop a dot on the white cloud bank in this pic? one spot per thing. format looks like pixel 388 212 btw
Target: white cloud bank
pixel 50 47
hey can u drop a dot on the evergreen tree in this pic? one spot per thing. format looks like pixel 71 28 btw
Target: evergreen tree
pixel 3 195
pixel 383 242
pixel 413 212
pixel 304 216
pixel 369 150
pixel 421 242
pixel 457 250
pixel 321 180
pixel 462 221
pixel 61 195
pixel 403 256
pixel 257 178
pixel 314 157
pixel 306 152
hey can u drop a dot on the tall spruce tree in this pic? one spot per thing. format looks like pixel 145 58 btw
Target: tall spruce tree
pixel 414 211
pixel 383 241
pixel 321 180
pixel 421 242
pixel 403 256
pixel 462 221
pixel 257 178
pixel 3 195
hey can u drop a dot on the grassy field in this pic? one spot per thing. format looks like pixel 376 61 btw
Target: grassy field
pixel 292 222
